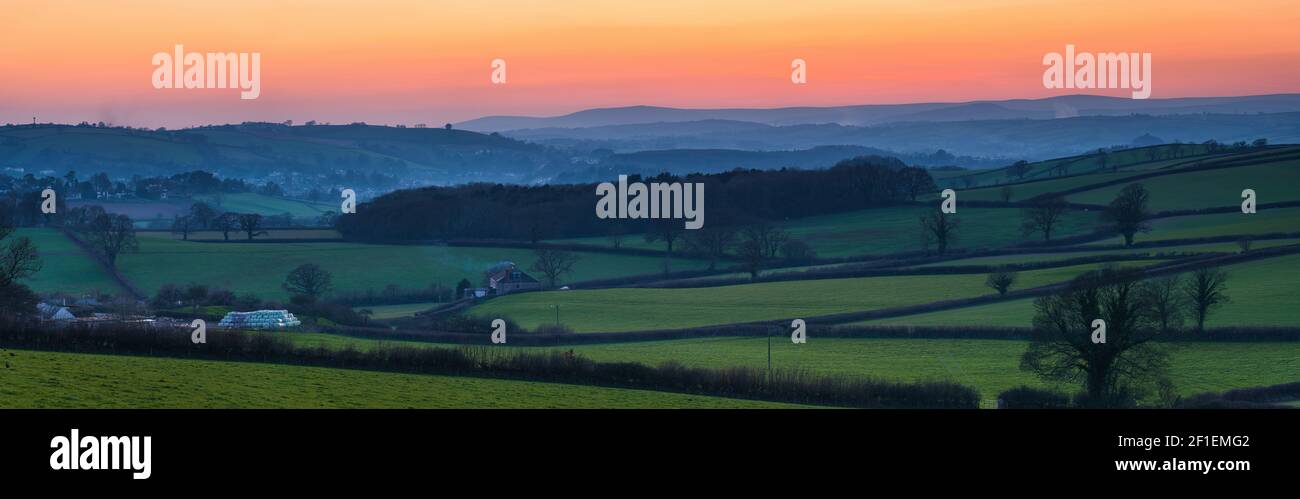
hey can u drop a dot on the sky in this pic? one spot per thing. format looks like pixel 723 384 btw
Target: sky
pixel 408 62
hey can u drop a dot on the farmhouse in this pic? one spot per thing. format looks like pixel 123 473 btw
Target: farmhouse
pixel 505 277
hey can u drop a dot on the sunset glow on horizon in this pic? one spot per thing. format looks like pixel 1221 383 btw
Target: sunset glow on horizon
pixel 405 62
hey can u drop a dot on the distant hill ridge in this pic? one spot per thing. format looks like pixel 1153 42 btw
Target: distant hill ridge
pixel 873 114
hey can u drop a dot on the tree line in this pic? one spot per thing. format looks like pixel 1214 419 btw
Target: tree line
pixel 533 213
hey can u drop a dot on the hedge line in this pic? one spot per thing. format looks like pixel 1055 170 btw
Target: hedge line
pixel 781 385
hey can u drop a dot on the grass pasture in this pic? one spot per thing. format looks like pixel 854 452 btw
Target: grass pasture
pixel 67 380
pixel 1262 292
pixel 65 267
pixel 248 202
pixel 634 309
pixel 890 230
pixel 1273 182
pixel 990 366
pixel 260 268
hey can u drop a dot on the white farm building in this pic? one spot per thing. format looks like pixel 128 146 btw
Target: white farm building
pixel 259 319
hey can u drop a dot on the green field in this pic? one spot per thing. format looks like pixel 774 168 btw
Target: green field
pixel 248 202
pixel 65 380
pixel 214 235
pixel 891 230
pixel 64 266
pixel 990 366
pixel 1263 293
pixel 1273 182
pixel 634 309
pixel 1050 257
pixel 1267 221
pixel 1132 159
pixel 260 268
pixel 382 312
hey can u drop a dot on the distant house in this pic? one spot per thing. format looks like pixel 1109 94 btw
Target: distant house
pixel 505 278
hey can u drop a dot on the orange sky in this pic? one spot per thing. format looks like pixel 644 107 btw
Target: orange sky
pixel 392 62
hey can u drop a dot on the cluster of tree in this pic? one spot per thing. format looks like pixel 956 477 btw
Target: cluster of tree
pixel 99 185
pixel 1127 215
pixel 196 295
pixel 533 213
pixel 1127 361
pixel 393 294
pixel 203 217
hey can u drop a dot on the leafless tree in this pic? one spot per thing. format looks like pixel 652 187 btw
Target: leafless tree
pixel 1205 291
pixel 938 228
pixel 1043 217
pixel 553 264
pixel 1001 280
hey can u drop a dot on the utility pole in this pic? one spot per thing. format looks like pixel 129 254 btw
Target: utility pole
pixel 769 351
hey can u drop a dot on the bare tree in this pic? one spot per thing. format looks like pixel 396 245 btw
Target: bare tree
pixel 251 224
pixel 712 242
pixel 553 263
pixel 751 254
pixel 194 294
pixel 1205 291
pixel 1043 217
pixel 1019 169
pixel 308 280
pixel 226 223
pixel 202 215
pixel 938 228
pixel 1001 280
pixel 917 181
pixel 111 235
pixel 1167 303
pixel 18 258
pixel 1006 193
pixel 183 225
pixel 669 231
pixel 1061 346
pixel 1127 214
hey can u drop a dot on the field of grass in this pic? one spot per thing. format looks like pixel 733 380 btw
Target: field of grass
pixel 248 202
pixel 1218 224
pixel 633 309
pixel 1015 313
pixel 260 268
pixel 890 230
pixel 1021 192
pixel 213 235
pixel 382 312
pixel 1272 182
pixel 1263 294
pixel 990 366
pixel 1048 257
pixel 1134 159
pixel 987 365
pixel 64 266
pixel 65 380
